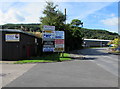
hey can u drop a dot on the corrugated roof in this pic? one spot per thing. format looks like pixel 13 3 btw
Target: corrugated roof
pixel 96 40
pixel 19 31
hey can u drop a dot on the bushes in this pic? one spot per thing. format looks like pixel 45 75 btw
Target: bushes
pixel 116 45
pixel 73 39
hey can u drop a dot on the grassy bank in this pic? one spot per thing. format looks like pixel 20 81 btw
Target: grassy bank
pixel 47 58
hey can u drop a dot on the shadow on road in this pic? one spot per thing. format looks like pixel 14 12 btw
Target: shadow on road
pixel 84 58
pixel 93 51
pixel 89 58
pixel 90 52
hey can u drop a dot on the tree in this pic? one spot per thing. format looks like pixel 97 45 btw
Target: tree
pixel 76 23
pixel 53 17
pixel 116 42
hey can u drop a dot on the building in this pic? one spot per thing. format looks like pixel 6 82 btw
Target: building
pixel 95 43
pixel 17 44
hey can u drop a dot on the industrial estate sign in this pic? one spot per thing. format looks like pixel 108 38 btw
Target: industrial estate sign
pixel 53 41
pixel 59 41
pixel 48 38
pixel 46 27
pixel 12 37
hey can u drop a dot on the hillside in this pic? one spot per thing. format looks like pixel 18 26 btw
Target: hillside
pixel 26 27
pixel 98 34
pixel 87 33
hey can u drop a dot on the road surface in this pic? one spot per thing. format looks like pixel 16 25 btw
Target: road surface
pixel 98 69
pixel 102 58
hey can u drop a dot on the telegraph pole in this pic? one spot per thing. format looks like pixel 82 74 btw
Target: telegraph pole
pixel 65 15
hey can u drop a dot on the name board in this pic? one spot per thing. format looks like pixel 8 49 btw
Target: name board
pixel 59 34
pixel 48 38
pixel 59 41
pixel 48 31
pixel 46 27
pixel 48 49
pixel 48 42
pixel 59 49
pixel 12 37
pixel 48 46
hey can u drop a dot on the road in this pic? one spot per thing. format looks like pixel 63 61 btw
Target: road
pixel 102 58
pixel 98 69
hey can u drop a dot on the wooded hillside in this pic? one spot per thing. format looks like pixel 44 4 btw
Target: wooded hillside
pixel 87 33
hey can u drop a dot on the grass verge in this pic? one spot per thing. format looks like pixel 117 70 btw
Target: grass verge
pixel 46 58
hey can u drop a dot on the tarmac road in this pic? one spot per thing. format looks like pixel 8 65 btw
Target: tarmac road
pixel 102 58
pixel 94 71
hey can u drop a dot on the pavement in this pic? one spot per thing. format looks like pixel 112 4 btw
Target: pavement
pixel 10 71
pixel 97 69
pixel 7 62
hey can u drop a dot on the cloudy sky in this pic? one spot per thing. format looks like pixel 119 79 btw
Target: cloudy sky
pixel 94 14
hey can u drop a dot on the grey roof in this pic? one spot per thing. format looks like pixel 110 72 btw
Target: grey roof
pixel 18 31
pixel 95 40
pixel 11 30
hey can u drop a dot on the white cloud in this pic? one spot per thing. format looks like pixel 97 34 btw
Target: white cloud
pixel 29 13
pixel 33 12
pixel 1 18
pixel 11 16
pixel 110 21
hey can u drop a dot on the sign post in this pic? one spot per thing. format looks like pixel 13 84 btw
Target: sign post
pixel 53 41
pixel 59 41
pixel 48 38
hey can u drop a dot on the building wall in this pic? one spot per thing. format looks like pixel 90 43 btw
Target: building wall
pixel 10 50
pixel 25 48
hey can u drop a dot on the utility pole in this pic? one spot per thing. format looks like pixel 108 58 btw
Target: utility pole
pixel 65 15
pixel 64 40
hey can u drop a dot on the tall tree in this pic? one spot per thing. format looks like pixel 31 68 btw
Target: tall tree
pixel 53 17
pixel 76 23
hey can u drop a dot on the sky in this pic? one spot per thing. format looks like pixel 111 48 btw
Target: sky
pixel 100 14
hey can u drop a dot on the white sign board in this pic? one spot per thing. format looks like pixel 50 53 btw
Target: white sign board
pixel 48 49
pixel 59 45
pixel 48 36
pixel 12 37
pixel 59 41
pixel 59 34
pixel 46 27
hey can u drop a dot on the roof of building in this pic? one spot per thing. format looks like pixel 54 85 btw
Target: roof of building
pixel 18 31
pixel 96 40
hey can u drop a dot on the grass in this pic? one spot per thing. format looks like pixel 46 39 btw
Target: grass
pixel 47 58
